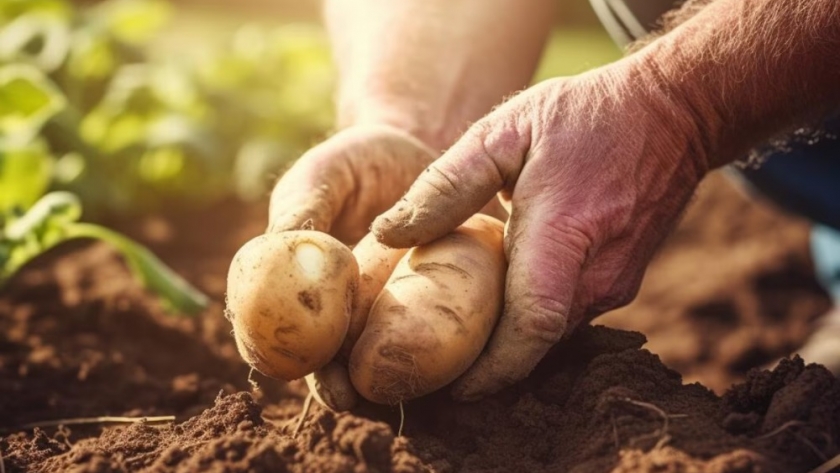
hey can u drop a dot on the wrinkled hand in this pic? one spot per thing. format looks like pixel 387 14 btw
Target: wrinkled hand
pixel 595 170
pixel 340 185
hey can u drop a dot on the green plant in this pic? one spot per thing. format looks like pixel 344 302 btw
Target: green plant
pixel 54 219
pixel 136 126
pixel 91 112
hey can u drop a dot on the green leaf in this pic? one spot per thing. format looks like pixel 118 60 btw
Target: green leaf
pixel 92 55
pixel 23 237
pixel 54 218
pixel 41 39
pixel 69 168
pixel 161 164
pixel 135 21
pixel 11 9
pixel 56 209
pixel 175 292
pixel 27 100
pixel 24 174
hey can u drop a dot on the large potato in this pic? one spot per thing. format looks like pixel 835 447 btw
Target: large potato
pixel 434 315
pixel 331 384
pixel 289 299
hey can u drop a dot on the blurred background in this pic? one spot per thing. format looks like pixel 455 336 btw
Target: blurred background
pixel 130 104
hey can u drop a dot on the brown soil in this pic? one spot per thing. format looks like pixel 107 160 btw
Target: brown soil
pixel 732 290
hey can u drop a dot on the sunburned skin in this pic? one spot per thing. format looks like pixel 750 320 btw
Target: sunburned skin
pixel 597 168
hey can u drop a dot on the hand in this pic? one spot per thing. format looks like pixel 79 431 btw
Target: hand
pixel 340 185
pixel 595 170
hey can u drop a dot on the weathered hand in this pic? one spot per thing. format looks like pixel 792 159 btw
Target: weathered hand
pixel 340 185
pixel 595 170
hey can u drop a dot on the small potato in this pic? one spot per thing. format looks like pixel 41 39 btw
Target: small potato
pixel 434 315
pixel 289 297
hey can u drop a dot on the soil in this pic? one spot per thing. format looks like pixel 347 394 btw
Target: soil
pixel 730 291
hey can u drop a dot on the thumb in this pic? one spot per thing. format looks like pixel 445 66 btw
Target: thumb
pixel 546 257
pixel 458 184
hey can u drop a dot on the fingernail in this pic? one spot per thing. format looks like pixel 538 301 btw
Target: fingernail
pixel 393 228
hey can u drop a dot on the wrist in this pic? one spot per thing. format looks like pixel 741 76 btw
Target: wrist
pixel 395 112
pixel 746 71
pixel 676 130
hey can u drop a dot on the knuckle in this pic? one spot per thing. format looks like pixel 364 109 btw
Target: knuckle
pixel 501 143
pixel 572 231
pixel 442 180
pixel 621 294
pixel 572 236
pixel 540 317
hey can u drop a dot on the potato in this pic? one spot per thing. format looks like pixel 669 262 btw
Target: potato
pixel 331 384
pixel 434 315
pixel 376 263
pixel 289 299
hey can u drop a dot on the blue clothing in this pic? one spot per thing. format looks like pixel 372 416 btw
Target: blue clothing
pixel 805 179
pixel 825 246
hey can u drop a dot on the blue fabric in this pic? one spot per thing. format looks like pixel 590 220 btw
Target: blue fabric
pixel 825 248
pixel 806 179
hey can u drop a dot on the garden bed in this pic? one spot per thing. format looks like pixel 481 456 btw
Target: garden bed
pixel 732 290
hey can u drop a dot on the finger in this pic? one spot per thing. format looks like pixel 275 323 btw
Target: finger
pixel 546 255
pixel 342 184
pixel 457 185
pixel 332 388
pixel 310 194
pixel 382 168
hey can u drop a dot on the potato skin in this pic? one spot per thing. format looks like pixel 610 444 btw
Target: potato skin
pixel 290 310
pixel 376 263
pixel 434 315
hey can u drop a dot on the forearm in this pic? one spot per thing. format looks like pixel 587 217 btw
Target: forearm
pixel 431 67
pixel 747 70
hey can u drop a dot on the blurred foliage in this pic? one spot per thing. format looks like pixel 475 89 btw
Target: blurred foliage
pixel 127 128
pixel 572 51
pixel 88 112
